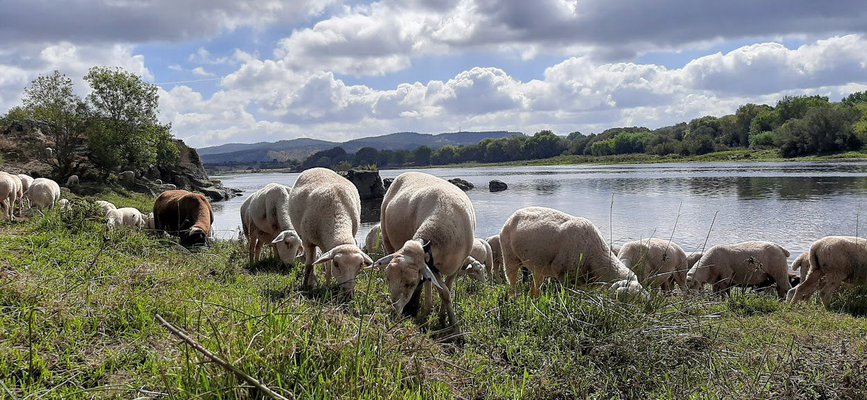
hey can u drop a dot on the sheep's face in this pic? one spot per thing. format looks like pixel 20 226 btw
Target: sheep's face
pixel 287 244
pixel 194 237
pixel 476 270
pixel 347 261
pixel 697 277
pixel 404 274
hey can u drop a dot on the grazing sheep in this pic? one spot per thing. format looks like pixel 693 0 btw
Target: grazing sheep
pixel 105 206
pixel 692 258
pixel 26 181
pixel 64 204
pixel 497 273
pixel 326 212
pixel 19 194
pixel 265 220
pixel 9 189
pixel 656 261
pixel 149 221
pixel 474 270
pixel 802 265
pixel 126 216
pixel 551 243
pixel 427 227
pixel 43 193
pixel 482 251
pixel 834 261
pixel 370 241
pixel 72 181
pixel 747 264
pixel 184 214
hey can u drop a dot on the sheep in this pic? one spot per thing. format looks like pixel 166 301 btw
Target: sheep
pixel 692 258
pixel 105 206
pixel 474 270
pixel 497 252
pixel 9 189
pixel 49 153
pixel 373 238
pixel 428 226
pixel 326 212
pixel 127 176
pixel 657 261
pixel 64 204
pixel 747 264
pixel 184 214
pixel 72 181
pixel 802 265
pixel 265 219
pixel 482 251
pixel 149 221
pixel 125 216
pixel 834 261
pixel 43 193
pixel 26 181
pixel 19 194
pixel 551 243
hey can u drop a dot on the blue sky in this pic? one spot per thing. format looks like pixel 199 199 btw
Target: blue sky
pixel 253 70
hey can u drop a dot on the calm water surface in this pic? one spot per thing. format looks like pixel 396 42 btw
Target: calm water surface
pixel 789 203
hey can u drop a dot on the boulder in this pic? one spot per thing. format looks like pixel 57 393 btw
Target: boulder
pixel 497 185
pixel 462 184
pixel 386 183
pixel 368 183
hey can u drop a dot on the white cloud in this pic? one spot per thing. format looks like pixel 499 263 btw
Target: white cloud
pixel 199 71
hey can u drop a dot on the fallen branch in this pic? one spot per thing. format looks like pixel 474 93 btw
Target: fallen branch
pixel 195 345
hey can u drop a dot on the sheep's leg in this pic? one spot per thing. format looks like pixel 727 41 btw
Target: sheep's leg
pixel 512 266
pixel 328 266
pixel 680 278
pixel 829 287
pixel 449 282
pixel 808 286
pixel 446 296
pixel 427 305
pixel 309 274
pixel 538 278
pixel 783 285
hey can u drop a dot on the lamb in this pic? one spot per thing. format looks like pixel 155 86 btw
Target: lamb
pixel 656 261
pixel 326 212
pixel 126 216
pixel 482 251
pixel 802 265
pixel 551 243
pixel 105 206
pixel 497 253
pixel 64 204
pixel 8 194
pixel 43 193
pixel 373 238
pixel 474 270
pixel 747 264
pixel 149 221
pixel 26 181
pixel 265 219
pixel 184 214
pixel 72 181
pixel 427 227
pixel 834 261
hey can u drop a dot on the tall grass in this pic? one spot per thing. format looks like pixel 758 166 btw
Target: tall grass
pixel 78 306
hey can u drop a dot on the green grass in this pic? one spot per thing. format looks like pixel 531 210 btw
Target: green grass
pixel 78 306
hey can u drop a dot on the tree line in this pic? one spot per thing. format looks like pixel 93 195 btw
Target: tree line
pixel 795 126
pixel 114 128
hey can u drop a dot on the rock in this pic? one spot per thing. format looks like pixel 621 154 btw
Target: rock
pixel 462 184
pixel 368 183
pixel 386 183
pixel 168 186
pixel 497 185
pixel 153 172
pixel 215 194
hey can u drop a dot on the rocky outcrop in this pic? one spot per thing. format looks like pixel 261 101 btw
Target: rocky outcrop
pixel 368 183
pixel 189 174
pixel 386 183
pixel 462 184
pixel 497 185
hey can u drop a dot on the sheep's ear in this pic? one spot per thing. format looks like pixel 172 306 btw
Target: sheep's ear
pixel 431 277
pixel 279 238
pixel 328 256
pixel 468 267
pixel 367 260
pixel 383 261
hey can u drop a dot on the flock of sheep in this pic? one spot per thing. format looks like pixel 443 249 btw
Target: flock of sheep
pixel 427 234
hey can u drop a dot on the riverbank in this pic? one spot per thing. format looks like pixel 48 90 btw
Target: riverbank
pixel 79 306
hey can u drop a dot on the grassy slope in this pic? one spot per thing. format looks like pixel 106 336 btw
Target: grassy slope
pixel 78 309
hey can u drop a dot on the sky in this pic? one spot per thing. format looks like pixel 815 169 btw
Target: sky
pixel 265 70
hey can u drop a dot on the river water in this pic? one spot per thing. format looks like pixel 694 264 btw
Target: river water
pixel 792 204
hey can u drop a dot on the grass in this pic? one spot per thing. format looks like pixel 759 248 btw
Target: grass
pixel 78 306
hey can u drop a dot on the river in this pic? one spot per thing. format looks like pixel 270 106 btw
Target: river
pixel 792 204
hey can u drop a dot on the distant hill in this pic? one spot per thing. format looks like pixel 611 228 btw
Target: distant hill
pixel 299 149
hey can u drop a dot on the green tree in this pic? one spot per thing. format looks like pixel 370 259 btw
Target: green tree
pixel 856 98
pixel 822 130
pixel 366 156
pixel 422 155
pixel 793 107
pixel 544 144
pixel 51 100
pixel 124 131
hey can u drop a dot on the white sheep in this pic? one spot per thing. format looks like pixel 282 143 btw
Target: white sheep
pixel 483 254
pixel 747 264
pixel 692 258
pixel 10 188
pixel 72 181
pixel 149 221
pixel 427 227
pixel 551 243
pixel 125 216
pixel 43 193
pixel 802 265
pixel 326 212
pixel 26 181
pixel 496 270
pixel 656 261
pixel 105 206
pixel 265 220
pixel 474 270
pixel 64 204
pixel 834 261
pixel 373 238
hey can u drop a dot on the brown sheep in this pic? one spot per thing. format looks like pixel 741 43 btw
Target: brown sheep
pixel 184 214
